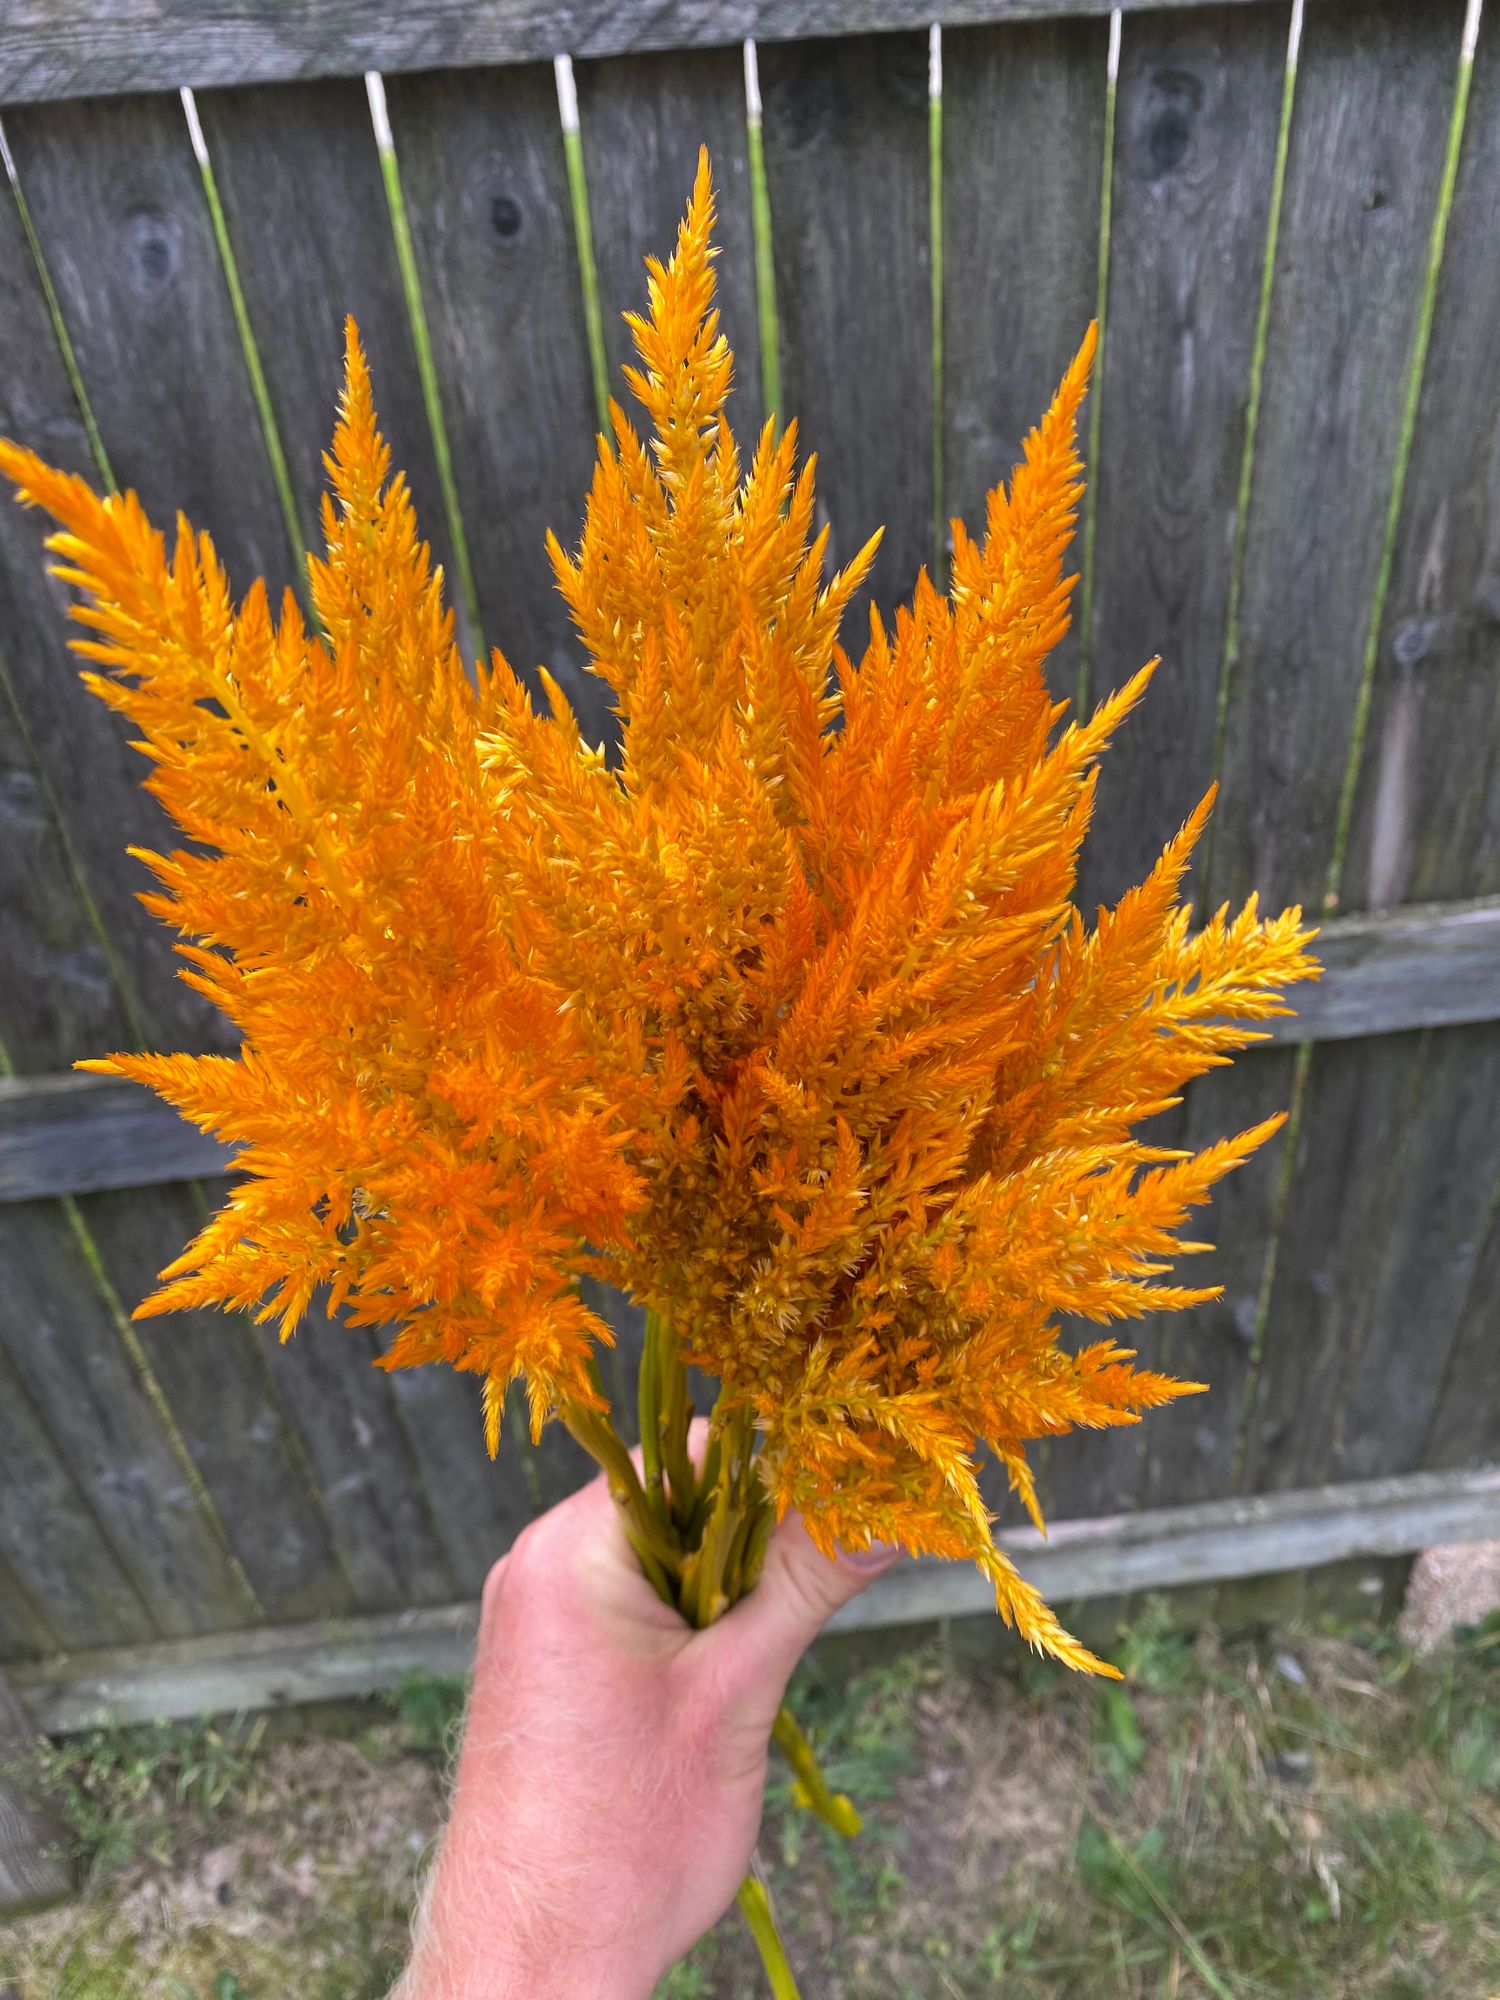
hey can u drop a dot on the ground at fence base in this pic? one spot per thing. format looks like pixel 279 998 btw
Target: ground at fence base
pixel 1303 1813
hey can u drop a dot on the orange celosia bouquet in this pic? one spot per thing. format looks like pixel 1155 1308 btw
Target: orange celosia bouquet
pixel 783 1019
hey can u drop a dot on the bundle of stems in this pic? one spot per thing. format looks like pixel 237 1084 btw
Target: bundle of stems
pixel 700 1529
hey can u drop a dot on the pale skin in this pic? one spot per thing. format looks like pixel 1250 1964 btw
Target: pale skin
pixel 609 1787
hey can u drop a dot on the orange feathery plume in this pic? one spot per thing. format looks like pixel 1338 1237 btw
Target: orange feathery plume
pixel 785 1020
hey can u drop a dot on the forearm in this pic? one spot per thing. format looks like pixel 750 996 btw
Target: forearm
pixel 487 1931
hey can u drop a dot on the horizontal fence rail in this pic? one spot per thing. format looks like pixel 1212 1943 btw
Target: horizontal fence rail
pixel 1382 975
pixel 1213 1543
pixel 69 49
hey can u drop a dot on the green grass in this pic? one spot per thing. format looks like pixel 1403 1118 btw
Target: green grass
pixel 1285 1812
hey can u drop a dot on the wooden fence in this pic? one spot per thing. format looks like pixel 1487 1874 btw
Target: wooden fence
pixel 1286 225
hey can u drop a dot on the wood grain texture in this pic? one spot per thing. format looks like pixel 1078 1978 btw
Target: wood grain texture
pixel 56 48
pixel 369 1483
pixel 62 994
pixel 49 1539
pixel 1466 1416
pixel 642 120
pixel 479 1507
pixel 1427 813
pixel 1398 1162
pixel 1190 1445
pixel 25 1633
pixel 233 1424
pixel 299 177
pixel 845 131
pixel 1197 113
pixel 486 187
pixel 64 1348
pixel 117 198
pixel 35 1846
pixel 1080 1562
pixel 1375 87
pixel 1023 164
pixel 76 1134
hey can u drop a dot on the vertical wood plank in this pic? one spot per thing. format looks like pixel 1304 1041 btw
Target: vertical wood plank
pixel 141 260
pixel 35 1866
pixel 1023 160
pixel 1374 93
pixel 642 120
pixel 1427 813
pixel 64 1347
pixel 49 1539
pixel 57 743
pixel 1190 1447
pixel 117 198
pixel 479 1507
pixel 486 187
pixel 368 1479
pixel 1465 1429
pixel 236 1429
pixel 1374 90
pixel 299 177
pixel 1197 113
pixel 1394 1373
pixel 24 1631
pixel 845 128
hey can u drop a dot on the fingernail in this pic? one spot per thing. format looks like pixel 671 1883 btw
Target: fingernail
pixel 878 1556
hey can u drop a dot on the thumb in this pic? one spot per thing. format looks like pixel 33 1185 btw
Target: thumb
pixel 756 1645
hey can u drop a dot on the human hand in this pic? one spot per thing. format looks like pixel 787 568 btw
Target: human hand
pixel 609 1788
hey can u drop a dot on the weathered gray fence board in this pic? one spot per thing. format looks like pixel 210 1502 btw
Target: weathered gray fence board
pixel 1450 1155
pixel 58 1001
pixel 485 181
pixel 479 1507
pixel 49 1538
pixel 642 120
pixel 1023 164
pixel 24 1631
pixel 1464 1423
pixel 63 1345
pixel 54 1322
pixel 1350 1182
pixel 1196 120
pixel 70 49
pixel 371 1488
pixel 1375 84
pixel 845 130
pixel 1079 1562
pixel 1374 93
pixel 1417 968
pixel 35 1846
pixel 1190 1446
pixel 117 198
pixel 232 1422
pixel 76 1134
pixel 299 176
pixel 1427 817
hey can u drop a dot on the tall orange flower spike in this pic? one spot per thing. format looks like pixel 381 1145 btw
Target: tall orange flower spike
pixel 785 1022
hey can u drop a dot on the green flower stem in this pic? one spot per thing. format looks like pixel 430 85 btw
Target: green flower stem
pixel 755 1906
pixel 599 1438
pixel 813 1790
pixel 649 1398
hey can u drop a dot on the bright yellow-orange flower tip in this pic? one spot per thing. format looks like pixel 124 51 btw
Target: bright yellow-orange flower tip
pixel 784 1021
